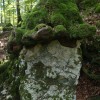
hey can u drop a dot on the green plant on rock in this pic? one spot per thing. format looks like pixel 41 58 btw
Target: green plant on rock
pixel 82 31
pixel 28 33
pixel 19 34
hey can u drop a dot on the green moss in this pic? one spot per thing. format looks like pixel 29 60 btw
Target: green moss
pixel 39 26
pixel 97 8
pixel 59 28
pixel 29 33
pixel 4 71
pixel 19 33
pixel 82 31
pixel 52 13
pixel 4 66
pixel 36 17
pixel 57 18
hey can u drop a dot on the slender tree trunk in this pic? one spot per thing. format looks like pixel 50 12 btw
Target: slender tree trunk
pixel 9 13
pixel 1 15
pixel 4 11
pixel 19 19
pixel 13 15
pixel 31 5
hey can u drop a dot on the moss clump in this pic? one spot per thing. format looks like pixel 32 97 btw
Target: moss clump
pixel 82 31
pixel 39 26
pixel 59 28
pixel 52 13
pixel 19 34
pixel 29 33
pixel 97 8
pixel 35 17
pixel 56 19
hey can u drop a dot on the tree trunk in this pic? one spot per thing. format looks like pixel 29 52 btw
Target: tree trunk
pixel 4 11
pixel 9 13
pixel 19 19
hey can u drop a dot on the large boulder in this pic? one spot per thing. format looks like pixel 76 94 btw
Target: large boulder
pixel 52 72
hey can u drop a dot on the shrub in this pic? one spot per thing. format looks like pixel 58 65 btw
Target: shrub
pixel 7 27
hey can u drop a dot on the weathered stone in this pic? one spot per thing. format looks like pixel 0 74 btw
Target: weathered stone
pixel 45 33
pixel 52 72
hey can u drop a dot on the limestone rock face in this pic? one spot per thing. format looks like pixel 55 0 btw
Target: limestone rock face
pixel 52 72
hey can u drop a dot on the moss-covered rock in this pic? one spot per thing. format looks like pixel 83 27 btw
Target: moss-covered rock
pixel 53 12
pixel 28 41
pixel 36 17
pixel 82 31
pixel 56 19
pixel 60 31
pixel 43 34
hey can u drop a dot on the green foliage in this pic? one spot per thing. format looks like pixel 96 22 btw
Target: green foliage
pixel 98 24
pixel 7 27
pixel 19 33
pixel 97 8
pixel 3 66
pixel 4 74
pixel 82 31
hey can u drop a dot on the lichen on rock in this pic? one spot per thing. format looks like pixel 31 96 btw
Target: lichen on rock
pixel 51 73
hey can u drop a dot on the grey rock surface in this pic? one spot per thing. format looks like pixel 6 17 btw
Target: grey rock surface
pixel 52 72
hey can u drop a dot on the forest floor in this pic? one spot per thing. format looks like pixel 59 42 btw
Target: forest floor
pixel 88 89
